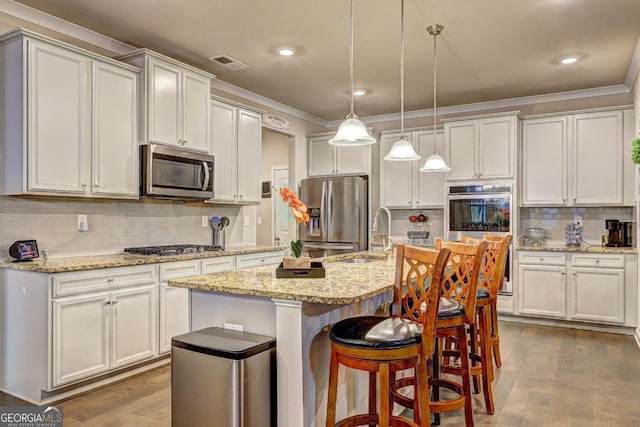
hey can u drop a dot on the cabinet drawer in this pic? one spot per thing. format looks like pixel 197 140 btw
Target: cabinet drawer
pixel 258 259
pixel 218 265
pixel 176 270
pixel 592 260
pixel 542 258
pixel 107 278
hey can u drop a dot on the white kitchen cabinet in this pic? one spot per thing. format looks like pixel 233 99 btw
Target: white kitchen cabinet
pixel 481 148
pixel 70 126
pixel 542 285
pixel 258 259
pixel 236 143
pixel 575 160
pixel 584 287
pixel 176 101
pixel 327 159
pixel 174 302
pixel 402 185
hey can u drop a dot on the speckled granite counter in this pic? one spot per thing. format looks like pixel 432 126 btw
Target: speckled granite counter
pixel 344 282
pixel 591 249
pixel 61 265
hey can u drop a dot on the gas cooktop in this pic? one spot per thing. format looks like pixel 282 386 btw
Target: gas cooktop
pixel 169 250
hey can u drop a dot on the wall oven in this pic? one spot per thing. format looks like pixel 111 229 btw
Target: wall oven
pixel 174 173
pixel 476 209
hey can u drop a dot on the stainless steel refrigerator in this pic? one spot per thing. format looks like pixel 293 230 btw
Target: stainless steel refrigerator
pixel 338 211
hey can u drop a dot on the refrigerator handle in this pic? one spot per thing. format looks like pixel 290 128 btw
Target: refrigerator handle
pixel 323 210
pixel 329 207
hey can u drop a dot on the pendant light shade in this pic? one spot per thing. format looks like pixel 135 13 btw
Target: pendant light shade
pixel 435 163
pixel 402 150
pixel 352 131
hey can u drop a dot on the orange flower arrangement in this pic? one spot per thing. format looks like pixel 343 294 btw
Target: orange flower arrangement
pixel 299 211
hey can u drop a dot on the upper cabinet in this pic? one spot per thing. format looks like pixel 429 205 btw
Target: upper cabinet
pixel 69 120
pixel 402 185
pixel 576 160
pixel 176 101
pixel 236 143
pixel 481 148
pixel 327 159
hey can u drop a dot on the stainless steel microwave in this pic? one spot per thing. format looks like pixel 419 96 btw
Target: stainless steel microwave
pixel 174 173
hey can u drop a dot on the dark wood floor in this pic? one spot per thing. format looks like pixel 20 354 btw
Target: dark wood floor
pixel 550 377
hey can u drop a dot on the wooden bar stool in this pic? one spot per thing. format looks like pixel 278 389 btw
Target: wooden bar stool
pixel 384 345
pixel 457 310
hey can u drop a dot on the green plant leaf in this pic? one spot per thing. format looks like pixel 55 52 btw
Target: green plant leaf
pixel 635 150
pixel 296 248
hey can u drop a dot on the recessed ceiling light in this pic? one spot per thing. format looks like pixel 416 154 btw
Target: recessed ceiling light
pixel 569 60
pixel 359 92
pixel 286 51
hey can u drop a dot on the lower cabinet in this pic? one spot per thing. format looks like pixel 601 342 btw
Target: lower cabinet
pixel 595 288
pixel 258 259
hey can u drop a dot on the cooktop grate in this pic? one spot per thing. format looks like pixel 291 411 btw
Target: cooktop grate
pixel 168 250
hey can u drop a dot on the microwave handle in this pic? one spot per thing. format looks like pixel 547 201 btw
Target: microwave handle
pixel 206 176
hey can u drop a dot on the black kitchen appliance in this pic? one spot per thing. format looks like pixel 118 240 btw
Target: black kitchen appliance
pixel 24 250
pixel 619 233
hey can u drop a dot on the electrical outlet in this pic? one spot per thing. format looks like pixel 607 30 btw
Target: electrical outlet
pixel 578 220
pixel 234 327
pixel 204 222
pixel 83 223
pixel 259 220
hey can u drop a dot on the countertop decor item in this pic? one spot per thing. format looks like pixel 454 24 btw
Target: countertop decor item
pixel 352 131
pixel 314 271
pixel 574 234
pixel 299 211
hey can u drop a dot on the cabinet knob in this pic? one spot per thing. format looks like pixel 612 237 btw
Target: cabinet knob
pixel 185 142
pixel 575 200
pixel 84 185
pixel 107 303
pixel 241 196
pixel 97 185
pixel 541 259
pixel 562 273
pixel 110 279
pixel 597 261
pixel 114 302
pixel 409 202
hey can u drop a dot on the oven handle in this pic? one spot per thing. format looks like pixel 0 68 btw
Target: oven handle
pixel 206 176
pixel 479 196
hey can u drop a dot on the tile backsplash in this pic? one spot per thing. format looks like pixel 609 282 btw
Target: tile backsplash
pixel 555 219
pixel 115 225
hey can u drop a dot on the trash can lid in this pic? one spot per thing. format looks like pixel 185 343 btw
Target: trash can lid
pixel 224 343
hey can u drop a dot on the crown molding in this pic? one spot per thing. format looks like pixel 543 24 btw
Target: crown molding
pixel 267 102
pixel 26 13
pixel 634 68
pixel 498 104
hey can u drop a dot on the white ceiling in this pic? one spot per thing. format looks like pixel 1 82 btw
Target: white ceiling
pixel 489 50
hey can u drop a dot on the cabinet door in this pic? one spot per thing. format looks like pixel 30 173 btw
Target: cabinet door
pixel 223 147
pixel 80 337
pixel 431 185
pixel 544 161
pixel 597 177
pixel 396 178
pixel 353 159
pixel 163 103
pixel 596 295
pixel 196 100
pixel 249 155
pixel 133 324
pixel 58 125
pixel 174 314
pixel 321 156
pixel 114 132
pixel 461 148
pixel 496 147
pixel 542 291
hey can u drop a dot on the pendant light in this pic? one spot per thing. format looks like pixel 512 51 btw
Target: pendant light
pixel 402 150
pixel 352 131
pixel 435 163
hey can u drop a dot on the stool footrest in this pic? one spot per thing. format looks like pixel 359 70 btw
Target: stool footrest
pixel 372 419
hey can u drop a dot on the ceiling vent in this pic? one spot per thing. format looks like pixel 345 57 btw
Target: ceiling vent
pixel 229 62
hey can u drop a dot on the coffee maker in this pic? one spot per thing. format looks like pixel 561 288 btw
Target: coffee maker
pixel 619 233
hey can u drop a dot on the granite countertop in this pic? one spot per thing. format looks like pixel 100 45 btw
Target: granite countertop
pixel 344 282
pixel 62 265
pixel 597 249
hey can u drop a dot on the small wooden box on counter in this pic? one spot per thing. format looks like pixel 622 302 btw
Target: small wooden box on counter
pixel 316 271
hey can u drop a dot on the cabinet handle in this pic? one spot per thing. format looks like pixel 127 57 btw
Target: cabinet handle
pixel 114 302
pixel 597 261
pixel 185 142
pixel 110 279
pixel 562 273
pixel 262 260
pixel 575 200
pixel 107 303
pixel 409 202
pixel 541 259
pixel 241 196
pixel 97 185
pixel 84 185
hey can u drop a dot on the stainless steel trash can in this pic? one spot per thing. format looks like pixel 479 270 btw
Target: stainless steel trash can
pixel 223 378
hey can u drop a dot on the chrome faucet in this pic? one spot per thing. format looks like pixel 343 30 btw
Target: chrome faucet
pixel 387 246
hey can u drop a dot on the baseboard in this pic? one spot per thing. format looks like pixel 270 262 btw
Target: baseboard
pixel 58 396
pixel 614 329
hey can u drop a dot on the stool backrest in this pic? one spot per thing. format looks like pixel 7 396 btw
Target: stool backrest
pixel 418 279
pixel 494 262
pixel 460 279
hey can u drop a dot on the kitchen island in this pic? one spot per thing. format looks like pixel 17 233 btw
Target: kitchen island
pixel 296 312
